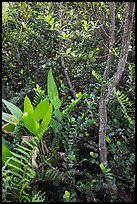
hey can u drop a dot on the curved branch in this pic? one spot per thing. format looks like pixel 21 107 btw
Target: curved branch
pixel 124 50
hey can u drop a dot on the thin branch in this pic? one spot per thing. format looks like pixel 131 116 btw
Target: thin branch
pixel 124 50
pixel 112 39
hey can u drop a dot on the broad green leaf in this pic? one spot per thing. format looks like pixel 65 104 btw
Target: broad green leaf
pixel 8 117
pixel 9 127
pixel 5 151
pixel 102 167
pixel 17 113
pixel 31 124
pixel 52 91
pixel 41 110
pixel 57 102
pixel 28 106
pixel 46 120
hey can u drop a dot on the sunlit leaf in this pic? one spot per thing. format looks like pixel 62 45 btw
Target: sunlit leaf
pixel 46 120
pixel 52 91
pixel 28 106
pixel 102 166
pixel 67 194
pixel 41 109
pixel 31 124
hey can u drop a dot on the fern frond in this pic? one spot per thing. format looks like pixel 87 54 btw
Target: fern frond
pixel 54 175
pixel 19 169
pixel 38 197
pixel 124 103
pixel 39 95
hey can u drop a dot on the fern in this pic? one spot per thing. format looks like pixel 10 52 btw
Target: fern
pixel 19 169
pixel 39 95
pixel 38 197
pixel 70 147
pixel 98 77
pixel 125 104
pixel 55 175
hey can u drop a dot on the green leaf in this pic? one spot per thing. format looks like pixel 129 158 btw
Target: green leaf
pixel 68 51
pixel 41 110
pixel 56 126
pixel 58 115
pixel 52 91
pixel 118 143
pixel 46 120
pixel 9 127
pixel 5 151
pixel 108 139
pixel 17 113
pixel 132 158
pixel 102 167
pixel 98 77
pixel 92 154
pixel 28 106
pixel 8 117
pixel 18 161
pixel 85 25
pixel 44 66
pixel 15 167
pixel 49 17
pixel 51 21
pixel 67 194
pixel 31 124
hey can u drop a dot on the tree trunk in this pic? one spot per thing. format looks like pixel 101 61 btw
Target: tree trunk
pixel 102 102
pixel 107 90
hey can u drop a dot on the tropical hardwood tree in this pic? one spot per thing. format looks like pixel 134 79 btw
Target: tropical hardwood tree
pixel 108 88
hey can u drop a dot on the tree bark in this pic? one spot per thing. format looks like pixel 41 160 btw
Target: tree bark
pixel 107 90
pixel 124 49
pixel 102 102
pixel 65 69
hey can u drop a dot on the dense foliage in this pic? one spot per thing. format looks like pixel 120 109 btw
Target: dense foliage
pixel 60 161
